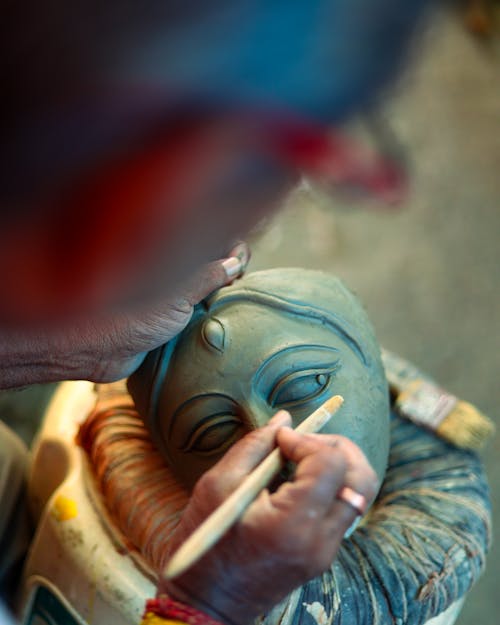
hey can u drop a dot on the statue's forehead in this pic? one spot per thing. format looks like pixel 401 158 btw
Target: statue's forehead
pixel 243 328
pixel 250 325
pixel 295 284
pixel 229 351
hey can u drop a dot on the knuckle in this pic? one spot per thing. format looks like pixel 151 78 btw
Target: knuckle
pixel 305 447
pixel 347 445
pixel 332 461
pixel 258 439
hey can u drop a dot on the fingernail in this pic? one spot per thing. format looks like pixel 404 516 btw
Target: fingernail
pixel 232 266
pixel 242 251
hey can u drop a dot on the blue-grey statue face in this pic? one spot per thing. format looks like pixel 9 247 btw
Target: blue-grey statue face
pixel 248 356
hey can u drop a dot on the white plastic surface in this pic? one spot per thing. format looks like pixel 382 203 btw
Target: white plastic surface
pixel 75 549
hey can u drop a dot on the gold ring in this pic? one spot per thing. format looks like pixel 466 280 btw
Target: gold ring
pixel 357 501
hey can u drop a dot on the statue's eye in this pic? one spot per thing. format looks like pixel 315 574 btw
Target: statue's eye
pixel 214 434
pixel 299 387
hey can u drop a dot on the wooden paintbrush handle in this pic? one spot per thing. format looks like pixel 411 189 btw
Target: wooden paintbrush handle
pixel 215 526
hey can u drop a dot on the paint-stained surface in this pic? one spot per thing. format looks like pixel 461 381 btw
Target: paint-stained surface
pixel 64 508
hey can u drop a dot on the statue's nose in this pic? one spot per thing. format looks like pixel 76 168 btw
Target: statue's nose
pixel 257 414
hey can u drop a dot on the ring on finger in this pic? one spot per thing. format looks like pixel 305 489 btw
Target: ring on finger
pixel 352 498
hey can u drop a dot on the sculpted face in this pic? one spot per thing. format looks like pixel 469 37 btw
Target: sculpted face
pixel 283 338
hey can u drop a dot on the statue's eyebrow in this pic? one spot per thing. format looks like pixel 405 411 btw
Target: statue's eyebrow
pixel 320 355
pixel 341 327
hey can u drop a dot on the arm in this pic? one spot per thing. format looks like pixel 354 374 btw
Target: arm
pixel 109 346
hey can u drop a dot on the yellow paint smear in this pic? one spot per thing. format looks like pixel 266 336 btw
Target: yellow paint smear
pixel 152 619
pixel 64 508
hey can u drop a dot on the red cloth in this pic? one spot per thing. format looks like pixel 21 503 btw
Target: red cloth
pixel 165 607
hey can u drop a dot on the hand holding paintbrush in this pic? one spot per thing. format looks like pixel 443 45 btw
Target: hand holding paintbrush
pixel 294 532
pixel 214 527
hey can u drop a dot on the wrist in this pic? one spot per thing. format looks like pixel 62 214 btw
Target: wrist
pixel 214 602
pixel 30 357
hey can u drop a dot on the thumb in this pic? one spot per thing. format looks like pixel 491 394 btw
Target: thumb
pixel 217 274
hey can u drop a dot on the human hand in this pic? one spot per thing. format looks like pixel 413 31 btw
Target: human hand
pixel 110 346
pixel 284 538
pixel 136 334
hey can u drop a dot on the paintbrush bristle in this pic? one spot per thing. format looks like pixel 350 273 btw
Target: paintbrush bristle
pixel 466 427
pixel 332 404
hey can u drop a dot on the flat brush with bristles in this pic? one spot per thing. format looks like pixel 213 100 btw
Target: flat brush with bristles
pixel 419 400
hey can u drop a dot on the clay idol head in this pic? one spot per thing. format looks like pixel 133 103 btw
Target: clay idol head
pixel 282 338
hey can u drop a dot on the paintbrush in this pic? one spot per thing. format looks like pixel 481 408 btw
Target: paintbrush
pixel 419 400
pixel 215 526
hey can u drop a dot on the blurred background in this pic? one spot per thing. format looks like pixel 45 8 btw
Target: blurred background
pixel 428 272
